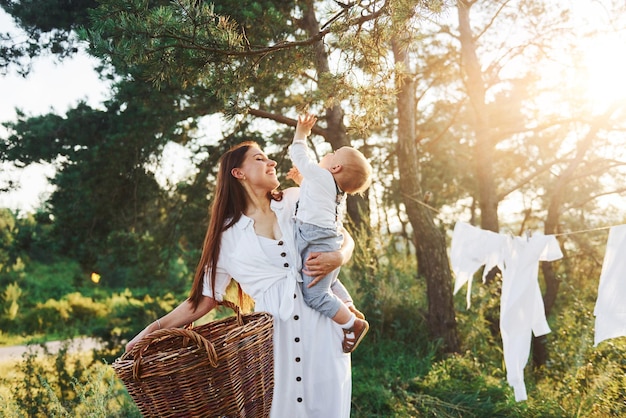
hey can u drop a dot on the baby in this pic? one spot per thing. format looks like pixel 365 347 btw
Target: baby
pixel 323 187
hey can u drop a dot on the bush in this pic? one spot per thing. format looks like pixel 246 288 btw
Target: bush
pixel 64 385
pixel 72 315
pixel 459 385
pixel 43 282
pixel 128 315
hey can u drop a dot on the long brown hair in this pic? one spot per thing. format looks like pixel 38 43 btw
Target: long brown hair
pixel 228 205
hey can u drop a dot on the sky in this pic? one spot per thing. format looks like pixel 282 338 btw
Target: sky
pixel 51 87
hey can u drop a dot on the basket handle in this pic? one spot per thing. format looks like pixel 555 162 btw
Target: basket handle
pixel 161 334
pixel 235 308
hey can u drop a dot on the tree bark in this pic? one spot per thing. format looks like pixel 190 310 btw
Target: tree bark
pixel 555 208
pixel 335 133
pixel 432 257
pixel 484 149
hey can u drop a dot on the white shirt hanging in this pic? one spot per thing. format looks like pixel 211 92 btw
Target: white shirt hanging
pixel 471 248
pixel 610 309
pixel 522 312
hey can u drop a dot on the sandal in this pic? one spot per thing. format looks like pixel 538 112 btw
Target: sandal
pixel 353 336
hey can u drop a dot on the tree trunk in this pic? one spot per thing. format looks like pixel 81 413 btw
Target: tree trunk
pixel 484 149
pixel 336 136
pixel 540 354
pixel 432 257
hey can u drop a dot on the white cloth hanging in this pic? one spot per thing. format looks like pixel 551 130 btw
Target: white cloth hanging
pixel 521 306
pixel 610 309
pixel 471 248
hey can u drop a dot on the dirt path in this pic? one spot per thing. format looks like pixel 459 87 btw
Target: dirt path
pixel 15 352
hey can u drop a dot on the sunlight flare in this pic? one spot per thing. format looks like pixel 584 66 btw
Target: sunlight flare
pixel 605 67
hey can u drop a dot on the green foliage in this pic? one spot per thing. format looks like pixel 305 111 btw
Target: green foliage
pixel 73 314
pixel 383 279
pixel 578 376
pixel 461 383
pixel 130 260
pixel 36 283
pixel 32 395
pixel 47 33
pixel 52 281
pixel 381 366
pixel 108 210
pixel 396 371
pixel 128 315
pixel 11 299
pixel 480 324
pixel 188 42
pixel 7 226
pixel 64 385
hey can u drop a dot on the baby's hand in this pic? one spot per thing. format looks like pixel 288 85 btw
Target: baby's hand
pixel 295 175
pixel 305 124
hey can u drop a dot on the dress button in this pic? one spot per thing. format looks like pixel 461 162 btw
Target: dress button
pixel 298 379
pixel 283 254
pixel 299 399
pixel 286 264
pixel 294 295
pixel 297 359
pixel 297 339
pixel 296 317
pixel 280 242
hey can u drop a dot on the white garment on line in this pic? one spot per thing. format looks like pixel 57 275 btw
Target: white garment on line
pixel 522 312
pixel 610 309
pixel 471 248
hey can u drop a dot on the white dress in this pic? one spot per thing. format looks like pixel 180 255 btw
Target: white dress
pixel 312 375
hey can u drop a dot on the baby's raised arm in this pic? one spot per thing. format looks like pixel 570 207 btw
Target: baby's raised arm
pixel 304 126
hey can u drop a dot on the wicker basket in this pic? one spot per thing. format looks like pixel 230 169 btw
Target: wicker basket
pixel 221 369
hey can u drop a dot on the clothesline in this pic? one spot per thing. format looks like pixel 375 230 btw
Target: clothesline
pixel 600 228
pixel 426 205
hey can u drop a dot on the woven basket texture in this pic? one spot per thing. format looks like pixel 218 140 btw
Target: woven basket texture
pixel 221 369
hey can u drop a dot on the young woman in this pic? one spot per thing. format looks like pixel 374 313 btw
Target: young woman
pixel 250 238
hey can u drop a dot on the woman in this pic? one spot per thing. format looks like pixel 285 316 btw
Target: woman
pixel 250 238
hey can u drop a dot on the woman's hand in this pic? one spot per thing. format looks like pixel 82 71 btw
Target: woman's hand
pixel 318 265
pixel 183 314
pixel 147 330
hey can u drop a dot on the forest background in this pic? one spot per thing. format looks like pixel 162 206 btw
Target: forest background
pixel 509 115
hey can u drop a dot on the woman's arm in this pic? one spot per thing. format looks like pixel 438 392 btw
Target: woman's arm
pixel 319 265
pixel 183 314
